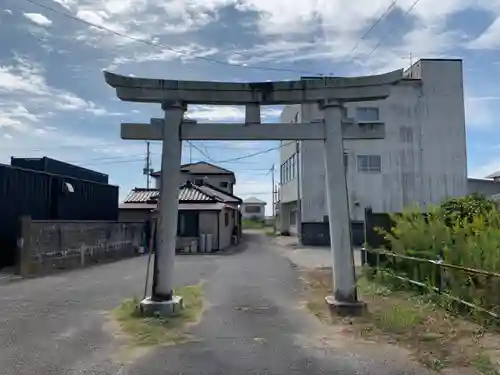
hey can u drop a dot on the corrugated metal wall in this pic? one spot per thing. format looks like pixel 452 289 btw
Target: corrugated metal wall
pixel 89 201
pixel 43 197
pixel 60 168
pixel 22 192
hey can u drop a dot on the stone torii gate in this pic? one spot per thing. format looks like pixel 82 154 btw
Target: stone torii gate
pixel 328 93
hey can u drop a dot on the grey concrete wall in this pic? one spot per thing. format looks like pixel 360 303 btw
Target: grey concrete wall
pixel 134 216
pixel 284 218
pixel 46 246
pixel 288 190
pixel 484 187
pixel 226 231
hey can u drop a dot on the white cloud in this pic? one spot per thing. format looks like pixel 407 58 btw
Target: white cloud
pixel 481 171
pixel 489 39
pixel 65 3
pixel 221 113
pixel 144 19
pixel 38 18
pixel 25 77
pixel 15 116
pixel 216 113
pixel 185 53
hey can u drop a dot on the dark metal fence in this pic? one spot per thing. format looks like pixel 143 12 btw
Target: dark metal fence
pixel 470 288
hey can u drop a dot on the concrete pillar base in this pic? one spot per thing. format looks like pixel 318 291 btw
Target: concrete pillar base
pixel 161 308
pixel 341 308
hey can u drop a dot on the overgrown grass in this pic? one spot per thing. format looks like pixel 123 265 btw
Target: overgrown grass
pixel 271 233
pixel 252 224
pixel 471 241
pixel 150 331
pixel 437 338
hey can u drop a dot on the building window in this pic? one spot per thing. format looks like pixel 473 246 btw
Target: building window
pixel 293 166
pixel 369 163
pixel 346 160
pixel 287 171
pixel 226 219
pixel 198 181
pixel 282 174
pixel 252 209
pixel 224 184
pixel 367 114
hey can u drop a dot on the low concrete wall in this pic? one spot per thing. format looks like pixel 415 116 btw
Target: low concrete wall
pixel 46 246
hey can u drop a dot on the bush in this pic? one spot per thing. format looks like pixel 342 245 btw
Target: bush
pixel 463 231
pixel 465 209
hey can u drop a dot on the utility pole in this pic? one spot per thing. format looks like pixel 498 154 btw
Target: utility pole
pixel 299 204
pixel 273 200
pixel 147 169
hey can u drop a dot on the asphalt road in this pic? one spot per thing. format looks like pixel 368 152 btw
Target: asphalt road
pixel 254 323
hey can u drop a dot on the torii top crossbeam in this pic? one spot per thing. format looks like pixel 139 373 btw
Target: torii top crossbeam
pixel 346 89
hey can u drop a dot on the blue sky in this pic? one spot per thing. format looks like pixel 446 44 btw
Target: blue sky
pixel 54 102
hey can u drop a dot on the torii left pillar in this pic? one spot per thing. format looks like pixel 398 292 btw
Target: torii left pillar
pixel 162 300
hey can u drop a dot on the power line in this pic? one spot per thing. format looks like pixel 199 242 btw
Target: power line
pixel 254 154
pixel 105 158
pixel 167 47
pixel 60 146
pixel 116 162
pixel 374 25
pixel 382 40
pixel 204 153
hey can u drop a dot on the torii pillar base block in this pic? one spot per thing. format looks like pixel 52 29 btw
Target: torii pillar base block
pixel 161 308
pixel 341 308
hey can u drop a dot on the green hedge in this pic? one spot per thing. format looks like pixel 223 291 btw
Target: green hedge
pixel 463 231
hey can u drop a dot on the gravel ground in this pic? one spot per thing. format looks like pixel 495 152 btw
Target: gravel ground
pixel 254 323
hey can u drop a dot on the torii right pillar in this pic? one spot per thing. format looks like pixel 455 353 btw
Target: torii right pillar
pixel 344 299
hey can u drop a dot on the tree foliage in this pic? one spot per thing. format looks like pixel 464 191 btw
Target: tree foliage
pixel 465 209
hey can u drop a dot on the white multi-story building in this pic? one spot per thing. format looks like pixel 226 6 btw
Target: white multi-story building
pixel 422 159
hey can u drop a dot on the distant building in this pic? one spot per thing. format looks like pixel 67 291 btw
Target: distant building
pixel 254 209
pixel 201 171
pixel 494 176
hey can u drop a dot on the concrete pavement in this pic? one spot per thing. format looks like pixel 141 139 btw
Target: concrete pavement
pixel 308 257
pixel 58 324
pixel 254 323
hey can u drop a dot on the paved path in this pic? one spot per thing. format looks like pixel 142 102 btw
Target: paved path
pixel 253 324
pixel 308 257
